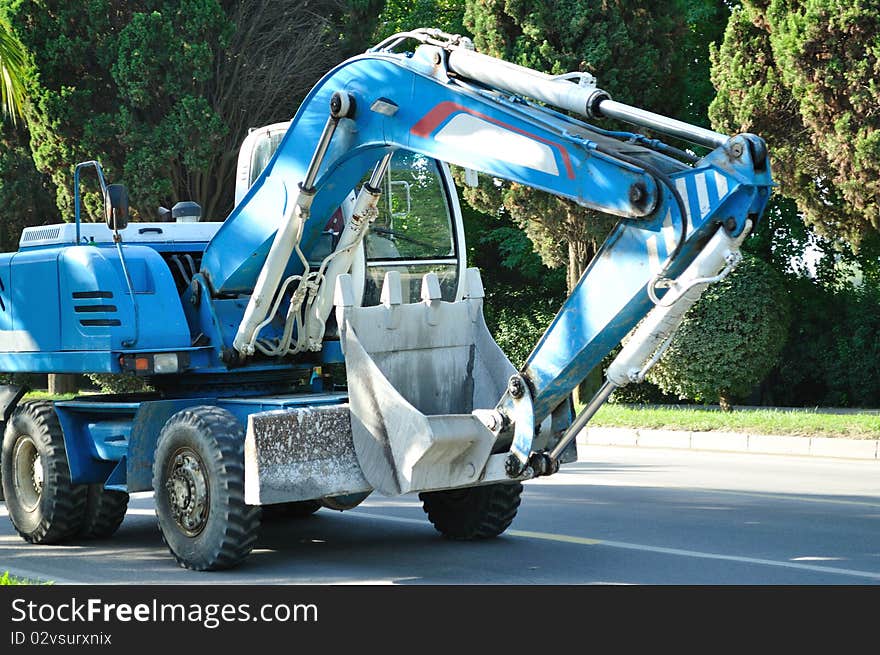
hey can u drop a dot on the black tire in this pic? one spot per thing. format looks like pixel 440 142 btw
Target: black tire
pixel 43 504
pixel 300 509
pixel 473 512
pixel 105 510
pixel 198 485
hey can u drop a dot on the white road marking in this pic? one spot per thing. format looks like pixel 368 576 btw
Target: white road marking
pixel 792 497
pixel 678 552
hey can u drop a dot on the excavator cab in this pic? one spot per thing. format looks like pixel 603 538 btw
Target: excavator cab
pixel 418 230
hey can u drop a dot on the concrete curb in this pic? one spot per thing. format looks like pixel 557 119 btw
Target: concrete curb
pixel 734 442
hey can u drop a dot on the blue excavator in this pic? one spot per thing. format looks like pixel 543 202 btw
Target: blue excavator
pixel 345 252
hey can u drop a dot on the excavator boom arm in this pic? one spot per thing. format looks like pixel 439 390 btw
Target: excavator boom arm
pixel 451 104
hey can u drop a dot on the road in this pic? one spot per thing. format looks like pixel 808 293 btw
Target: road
pixel 618 516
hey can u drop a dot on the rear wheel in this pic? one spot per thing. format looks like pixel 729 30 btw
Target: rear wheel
pixel 198 484
pixel 473 512
pixel 44 505
pixel 105 510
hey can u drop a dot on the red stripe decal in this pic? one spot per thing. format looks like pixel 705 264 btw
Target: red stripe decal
pixel 429 123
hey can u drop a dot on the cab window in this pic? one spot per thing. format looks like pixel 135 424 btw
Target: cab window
pixel 263 153
pixel 414 231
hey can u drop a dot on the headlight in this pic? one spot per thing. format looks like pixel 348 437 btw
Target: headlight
pixel 165 363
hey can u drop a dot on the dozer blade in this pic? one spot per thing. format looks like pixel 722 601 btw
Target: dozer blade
pixel 416 372
pixel 301 453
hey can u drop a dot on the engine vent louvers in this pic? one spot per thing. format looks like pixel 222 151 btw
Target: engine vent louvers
pixel 39 235
pixel 105 321
pixel 77 295
pixel 95 308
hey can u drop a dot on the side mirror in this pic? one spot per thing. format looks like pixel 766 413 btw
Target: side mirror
pixel 116 206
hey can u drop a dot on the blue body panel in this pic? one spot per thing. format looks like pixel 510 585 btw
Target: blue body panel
pixel 84 268
pixel 68 309
pixel 35 301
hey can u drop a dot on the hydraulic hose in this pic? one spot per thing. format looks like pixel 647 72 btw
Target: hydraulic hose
pixel 661 178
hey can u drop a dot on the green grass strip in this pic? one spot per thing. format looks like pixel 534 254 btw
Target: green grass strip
pixel 6 580
pixel 807 423
pixel 45 395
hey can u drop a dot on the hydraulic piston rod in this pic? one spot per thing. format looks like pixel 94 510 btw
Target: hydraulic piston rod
pixel 288 235
pixel 693 133
pixel 582 98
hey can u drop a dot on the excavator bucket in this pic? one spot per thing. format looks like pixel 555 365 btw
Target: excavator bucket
pixel 416 372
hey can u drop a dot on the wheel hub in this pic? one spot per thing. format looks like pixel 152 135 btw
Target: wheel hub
pixel 187 487
pixel 28 468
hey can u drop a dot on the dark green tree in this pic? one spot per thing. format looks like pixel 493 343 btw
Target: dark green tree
pixel 26 194
pixel 804 75
pixel 167 122
pixel 401 16
pixel 72 98
pixel 162 92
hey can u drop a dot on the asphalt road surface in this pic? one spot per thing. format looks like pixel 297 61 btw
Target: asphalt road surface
pixel 618 516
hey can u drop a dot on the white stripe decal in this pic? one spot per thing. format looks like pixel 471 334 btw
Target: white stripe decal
pixel 653 257
pixel 483 138
pixel 721 183
pixel 668 233
pixel 702 194
pixel 681 187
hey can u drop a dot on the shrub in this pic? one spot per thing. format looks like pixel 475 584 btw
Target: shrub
pixel 517 328
pixel 730 340
pixel 832 354
pixel 118 383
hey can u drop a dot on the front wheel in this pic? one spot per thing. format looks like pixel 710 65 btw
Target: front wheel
pixel 198 484
pixel 473 512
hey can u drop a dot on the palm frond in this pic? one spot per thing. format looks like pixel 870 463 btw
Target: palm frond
pixel 12 70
